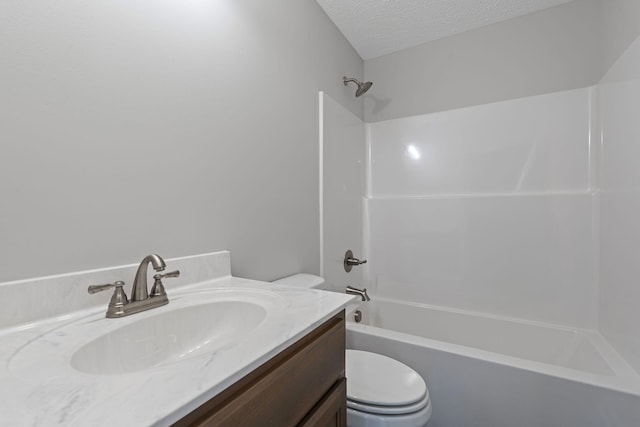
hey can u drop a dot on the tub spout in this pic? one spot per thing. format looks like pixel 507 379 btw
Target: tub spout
pixel 360 292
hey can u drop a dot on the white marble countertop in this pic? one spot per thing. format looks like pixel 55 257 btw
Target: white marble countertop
pixel 36 390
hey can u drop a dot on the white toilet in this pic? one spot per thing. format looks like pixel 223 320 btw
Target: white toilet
pixel 384 392
pixel 381 392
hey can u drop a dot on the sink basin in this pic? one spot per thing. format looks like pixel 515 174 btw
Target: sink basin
pixel 168 337
pixel 191 325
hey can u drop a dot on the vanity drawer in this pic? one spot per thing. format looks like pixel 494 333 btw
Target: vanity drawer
pixel 331 411
pixel 284 390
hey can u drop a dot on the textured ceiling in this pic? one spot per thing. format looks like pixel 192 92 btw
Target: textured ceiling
pixel 378 27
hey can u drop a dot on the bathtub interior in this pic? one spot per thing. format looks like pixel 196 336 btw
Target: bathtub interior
pixel 470 389
pixel 568 352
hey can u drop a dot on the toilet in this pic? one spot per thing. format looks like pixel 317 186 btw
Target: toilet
pixel 381 391
pixel 384 392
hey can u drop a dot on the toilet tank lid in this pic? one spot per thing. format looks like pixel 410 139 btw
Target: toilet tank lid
pixel 301 280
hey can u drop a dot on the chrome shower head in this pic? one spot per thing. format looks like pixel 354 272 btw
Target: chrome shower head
pixel 362 87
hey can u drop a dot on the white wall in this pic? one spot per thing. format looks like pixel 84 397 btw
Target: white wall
pixel 488 208
pixel 534 144
pixel 620 209
pixel 168 126
pixel 552 50
pixel 343 186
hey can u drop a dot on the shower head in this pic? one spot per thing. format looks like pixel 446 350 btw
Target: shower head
pixel 362 87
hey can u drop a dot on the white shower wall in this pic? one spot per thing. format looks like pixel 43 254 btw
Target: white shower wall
pixel 342 184
pixel 620 260
pixel 489 208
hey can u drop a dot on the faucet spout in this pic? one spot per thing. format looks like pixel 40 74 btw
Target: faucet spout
pixel 140 289
pixel 362 293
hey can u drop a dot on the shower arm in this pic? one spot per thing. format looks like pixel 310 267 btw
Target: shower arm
pixel 349 79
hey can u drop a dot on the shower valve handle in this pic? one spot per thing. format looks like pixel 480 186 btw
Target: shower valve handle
pixel 350 261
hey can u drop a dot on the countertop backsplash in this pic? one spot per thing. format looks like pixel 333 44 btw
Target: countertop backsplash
pixel 52 296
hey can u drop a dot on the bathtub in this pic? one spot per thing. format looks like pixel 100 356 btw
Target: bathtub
pixel 489 371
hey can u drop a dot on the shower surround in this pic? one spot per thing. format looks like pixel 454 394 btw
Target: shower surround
pixel 525 208
pixel 489 209
pixel 524 212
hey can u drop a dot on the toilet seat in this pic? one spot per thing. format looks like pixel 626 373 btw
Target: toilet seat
pixel 378 384
pixel 389 410
pixel 363 419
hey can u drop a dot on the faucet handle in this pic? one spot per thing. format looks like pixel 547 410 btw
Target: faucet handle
pixel 169 274
pixel 118 299
pixel 349 261
pixel 99 288
pixel 158 288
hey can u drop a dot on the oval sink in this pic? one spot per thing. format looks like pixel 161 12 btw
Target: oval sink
pixel 168 337
pixel 193 324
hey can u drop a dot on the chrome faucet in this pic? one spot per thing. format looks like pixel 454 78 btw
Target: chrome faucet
pixel 140 291
pixel 120 306
pixel 360 292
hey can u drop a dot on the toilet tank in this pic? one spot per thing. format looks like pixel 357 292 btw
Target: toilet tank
pixel 302 280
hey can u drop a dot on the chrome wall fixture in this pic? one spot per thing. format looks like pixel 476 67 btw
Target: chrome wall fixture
pixel 362 87
pixel 350 261
pixel 362 293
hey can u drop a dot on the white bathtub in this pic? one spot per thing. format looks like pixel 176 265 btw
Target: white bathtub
pixel 488 371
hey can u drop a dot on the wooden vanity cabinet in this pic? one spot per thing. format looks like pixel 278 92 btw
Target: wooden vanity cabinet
pixel 304 385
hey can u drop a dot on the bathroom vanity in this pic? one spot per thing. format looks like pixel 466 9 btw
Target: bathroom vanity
pixel 225 351
pixel 304 385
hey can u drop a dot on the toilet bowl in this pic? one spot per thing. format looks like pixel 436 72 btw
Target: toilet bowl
pixel 381 391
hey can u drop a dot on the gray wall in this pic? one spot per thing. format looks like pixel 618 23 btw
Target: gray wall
pixel 167 126
pixel 552 50
pixel 621 27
